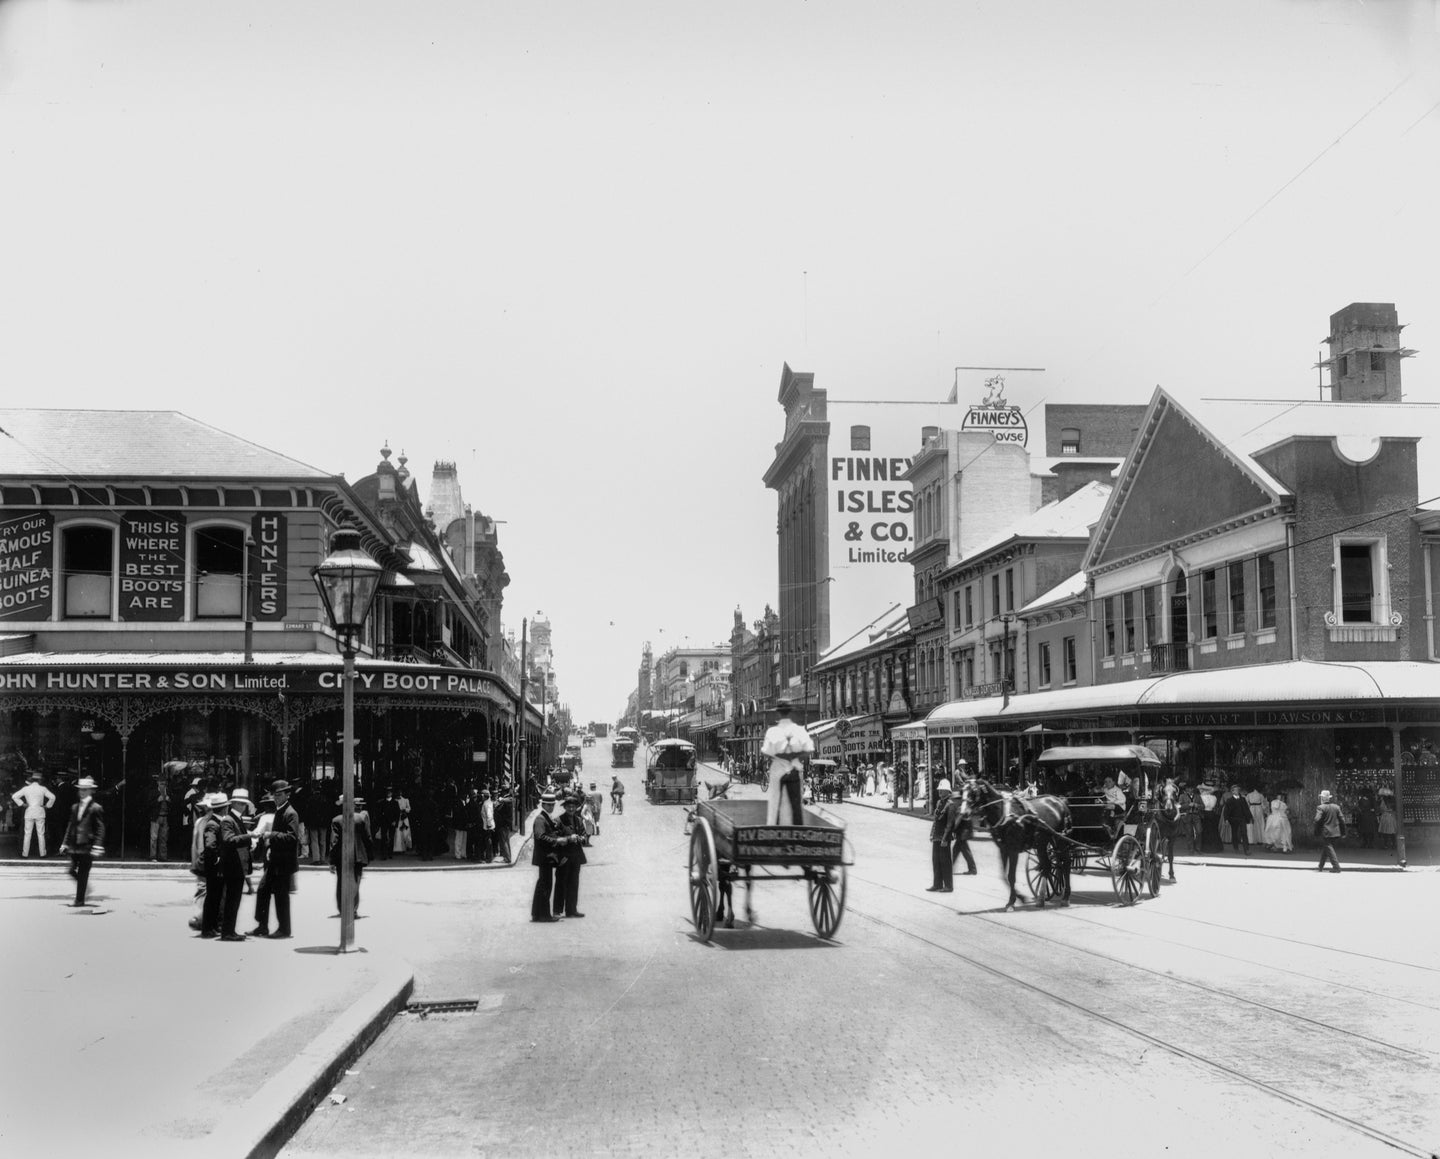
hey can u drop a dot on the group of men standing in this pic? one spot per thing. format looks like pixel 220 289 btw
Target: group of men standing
pixel 558 853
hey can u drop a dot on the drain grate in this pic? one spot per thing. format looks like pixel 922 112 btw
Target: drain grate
pixel 443 1006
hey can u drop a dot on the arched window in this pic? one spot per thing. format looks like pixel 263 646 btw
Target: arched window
pixel 87 562
pixel 219 573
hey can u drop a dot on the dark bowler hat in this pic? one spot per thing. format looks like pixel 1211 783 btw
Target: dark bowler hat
pixel 280 787
pixel 784 702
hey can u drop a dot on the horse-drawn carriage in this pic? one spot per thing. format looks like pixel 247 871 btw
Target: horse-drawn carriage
pixel 730 840
pixel 1097 813
pixel 670 773
pixel 622 753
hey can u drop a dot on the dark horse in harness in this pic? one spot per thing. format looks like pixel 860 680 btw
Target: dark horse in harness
pixel 1018 823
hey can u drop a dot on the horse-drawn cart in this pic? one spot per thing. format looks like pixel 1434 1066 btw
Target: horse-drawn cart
pixel 730 841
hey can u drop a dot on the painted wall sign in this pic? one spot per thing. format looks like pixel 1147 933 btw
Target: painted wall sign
pixel 870 526
pixel 1006 423
pixel 152 566
pixel 27 556
pixel 268 561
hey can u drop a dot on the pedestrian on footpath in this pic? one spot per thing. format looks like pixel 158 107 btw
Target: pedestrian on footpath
pixel 205 864
pixel 1329 825
pixel 37 799
pixel 597 804
pixel 785 744
pixel 566 899
pixel 487 827
pixel 547 843
pixel 941 867
pixel 362 847
pixel 1236 813
pixel 233 846
pixel 281 859
pixel 84 837
pixel 964 823
pixel 159 818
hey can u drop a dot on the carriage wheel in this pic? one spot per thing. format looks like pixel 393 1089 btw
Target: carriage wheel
pixel 1125 866
pixel 704 879
pixel 827 899
pixel 1152 860
pixel 1040 874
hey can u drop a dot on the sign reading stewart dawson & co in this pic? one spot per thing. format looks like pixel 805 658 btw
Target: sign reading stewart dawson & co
pixel 27 540
pixel 386 680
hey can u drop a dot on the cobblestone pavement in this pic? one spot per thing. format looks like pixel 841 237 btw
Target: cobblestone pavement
pixel 1240 1013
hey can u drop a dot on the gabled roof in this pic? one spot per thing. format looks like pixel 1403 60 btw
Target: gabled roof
pixel 1071 588
pixel 1191 482
pixel 895 621
pixel 134 444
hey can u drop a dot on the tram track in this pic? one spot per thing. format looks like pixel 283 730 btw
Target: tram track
pixel 1227 996
pixel 1339 1118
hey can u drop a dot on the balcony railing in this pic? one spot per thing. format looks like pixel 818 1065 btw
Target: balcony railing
pixel 405 654
pixel 1170 657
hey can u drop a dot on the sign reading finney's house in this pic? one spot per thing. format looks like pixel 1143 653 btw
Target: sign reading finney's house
pixel 27 584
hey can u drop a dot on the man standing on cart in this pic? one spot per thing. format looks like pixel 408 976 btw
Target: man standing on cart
pixel 786 744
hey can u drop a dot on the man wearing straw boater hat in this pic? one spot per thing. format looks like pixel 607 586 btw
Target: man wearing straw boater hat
pixel 84 836
pixel 786 743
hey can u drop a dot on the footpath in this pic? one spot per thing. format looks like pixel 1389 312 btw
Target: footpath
pixel 138 1037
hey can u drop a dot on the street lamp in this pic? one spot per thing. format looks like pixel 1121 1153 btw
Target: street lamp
pixel 346 580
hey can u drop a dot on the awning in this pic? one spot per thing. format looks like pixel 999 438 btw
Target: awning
pixel 915 730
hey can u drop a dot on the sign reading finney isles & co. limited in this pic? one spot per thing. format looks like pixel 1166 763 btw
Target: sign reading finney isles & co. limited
pixel 27 548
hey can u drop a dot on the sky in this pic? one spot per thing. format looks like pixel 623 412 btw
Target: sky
pixel 571 245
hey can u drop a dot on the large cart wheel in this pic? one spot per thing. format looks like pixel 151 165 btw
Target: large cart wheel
pixel 1125 866
pixel 1152 860
pixel 1040 874
pixel 827 899
pixel 704 879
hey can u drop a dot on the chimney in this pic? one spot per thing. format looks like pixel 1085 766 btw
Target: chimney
pixel 1365 353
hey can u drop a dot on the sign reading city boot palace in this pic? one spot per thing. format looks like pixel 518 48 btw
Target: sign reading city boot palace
pixel 371 679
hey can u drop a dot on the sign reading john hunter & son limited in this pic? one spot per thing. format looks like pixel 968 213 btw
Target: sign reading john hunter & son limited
pixel 27 555
pixel 152 566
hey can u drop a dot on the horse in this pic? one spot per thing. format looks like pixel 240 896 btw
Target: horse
pixel 1024 823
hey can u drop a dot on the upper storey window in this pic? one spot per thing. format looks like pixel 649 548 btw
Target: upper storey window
pixel 859 438
pixel 220 573
pixel 87 563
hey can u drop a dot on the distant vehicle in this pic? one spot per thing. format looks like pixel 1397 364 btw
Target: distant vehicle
pixel 670 773
pixel 622 753
pixel 587 741
pixel 600 728
pixel 573 751
pixel 628 733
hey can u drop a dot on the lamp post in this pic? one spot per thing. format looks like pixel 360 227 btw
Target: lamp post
pixel 346 580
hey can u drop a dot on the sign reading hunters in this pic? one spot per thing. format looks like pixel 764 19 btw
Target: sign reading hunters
pixel 27 584
pixel 267 529
pixel 152 566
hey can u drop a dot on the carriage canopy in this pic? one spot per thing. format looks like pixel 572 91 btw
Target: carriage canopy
pixel 1070 754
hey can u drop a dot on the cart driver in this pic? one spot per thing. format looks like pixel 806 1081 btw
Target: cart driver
pixel 785 744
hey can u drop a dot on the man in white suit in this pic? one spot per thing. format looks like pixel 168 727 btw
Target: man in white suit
pixel 786 743
pixel 36 798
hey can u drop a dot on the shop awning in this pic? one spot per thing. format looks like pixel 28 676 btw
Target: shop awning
pixel 915 730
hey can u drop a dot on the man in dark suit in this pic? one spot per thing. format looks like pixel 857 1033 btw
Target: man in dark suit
pixel 547 850
pixel 567 874
pixel 233 837
pixel 362 847
pixel 281 855
pixel 84 836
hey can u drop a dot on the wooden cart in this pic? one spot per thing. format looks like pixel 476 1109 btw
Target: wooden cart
pixel 730 841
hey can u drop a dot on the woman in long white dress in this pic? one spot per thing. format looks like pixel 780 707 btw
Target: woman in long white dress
pixel 1256 800
pixel 403 841
pixel 1277 826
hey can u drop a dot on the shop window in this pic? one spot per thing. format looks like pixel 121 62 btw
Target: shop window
pixel 220 573
pixel 1209 613
pixel 1070 441
pixel 1360 581
pixel 1266 589
pixel 1128 612
pixel 859 438
pixel 1149 601
pixel 1042 663
pixel 1235 588
pixel 1067 655
pixel 87 560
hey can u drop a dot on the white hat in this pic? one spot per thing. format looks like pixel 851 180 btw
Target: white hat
pixel 85 783
pixel 215 800
pixel 239 794
pixel 1324 794
pixel 942 787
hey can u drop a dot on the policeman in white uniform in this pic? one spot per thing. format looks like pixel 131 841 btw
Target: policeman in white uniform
pixel 36 798
pixel 786 743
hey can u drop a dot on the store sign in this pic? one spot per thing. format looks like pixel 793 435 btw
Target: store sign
pixel 27 554
pixel 268 562
pixel 377 682
pixel 152 566
pixel 870 523
pixel 1005 423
